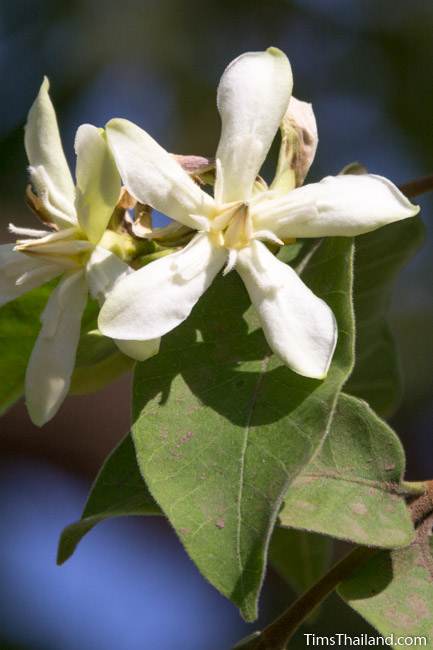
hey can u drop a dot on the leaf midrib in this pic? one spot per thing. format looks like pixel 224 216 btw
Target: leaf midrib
pixel 250 411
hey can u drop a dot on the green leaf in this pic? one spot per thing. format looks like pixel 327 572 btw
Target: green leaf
pixel 352 489
pixel 393 591
pixel 118 490
pixel 221 427
pixel 300 557
pixel 19 327
pixel 99 362
pixel 379 256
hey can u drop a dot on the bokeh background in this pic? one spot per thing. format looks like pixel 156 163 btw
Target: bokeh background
pixel 367 66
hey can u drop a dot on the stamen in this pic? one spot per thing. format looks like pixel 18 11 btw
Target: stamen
pixel 239 231
pixel 27 232
pixel 224 217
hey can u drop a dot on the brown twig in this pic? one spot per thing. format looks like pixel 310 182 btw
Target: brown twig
pixel 417 186
pixel 276 635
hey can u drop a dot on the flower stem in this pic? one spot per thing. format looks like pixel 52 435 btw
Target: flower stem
pixel 414 488
pixel 278 633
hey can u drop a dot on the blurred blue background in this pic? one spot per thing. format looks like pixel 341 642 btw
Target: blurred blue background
pixel 367 68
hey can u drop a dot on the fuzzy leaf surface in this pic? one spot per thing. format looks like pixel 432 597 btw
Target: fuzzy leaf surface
pixel 222 428
pixel 393 591
pixel 118 490
pixel 379 257
pixel 300 557
pixel 352 489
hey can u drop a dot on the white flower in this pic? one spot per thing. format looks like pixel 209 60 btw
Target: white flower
pixel 253 97
pixel 73 248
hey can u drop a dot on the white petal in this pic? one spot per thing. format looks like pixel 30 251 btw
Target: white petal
pixel 158 297
pixel 64 248
pixel 98 181
pixel 53 358
pixel 344 205
pixel 139 350
pixel 28 272
pixel 44 149
pixel 299 327
pixel 153 176
pixel 38 275
pixel 66 234
pixel 253 96
pixel 51 199
pixel 103 270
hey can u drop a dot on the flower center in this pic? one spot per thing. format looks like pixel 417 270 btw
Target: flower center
pixel 232 227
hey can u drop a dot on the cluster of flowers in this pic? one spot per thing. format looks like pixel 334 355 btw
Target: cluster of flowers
pixel 229 230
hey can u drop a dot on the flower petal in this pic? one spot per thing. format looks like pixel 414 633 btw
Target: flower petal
pixel 49 198
pixel 98 181
pixel 104 269
pixel 153 176
pixel 44 149
pixel 20 273
pixel 253 96
pixel 53 357
pixel 344 205
pixel 139 350
pixel 299 327
pixel 158 297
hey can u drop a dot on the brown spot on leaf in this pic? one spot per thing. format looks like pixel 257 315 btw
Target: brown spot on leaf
pixel 184 531
pixel 359 508
pixel 399 619
pixel 418 605
pixel 185 438
pixel 306 505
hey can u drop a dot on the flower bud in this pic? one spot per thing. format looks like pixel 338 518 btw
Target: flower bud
pixel 299 141
pixel 195 165
pixel 201 169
